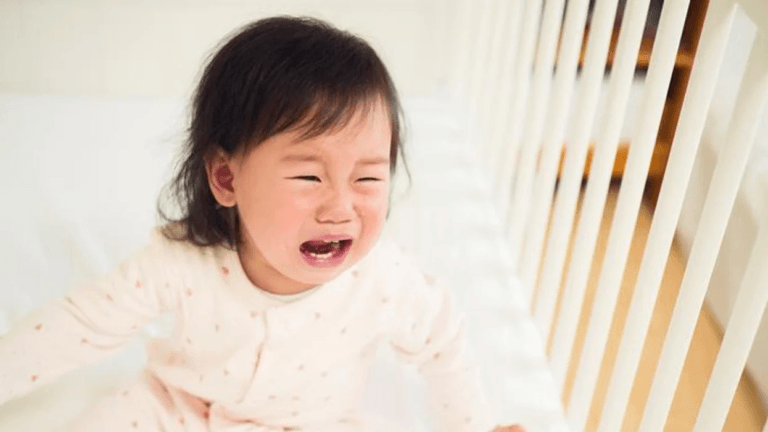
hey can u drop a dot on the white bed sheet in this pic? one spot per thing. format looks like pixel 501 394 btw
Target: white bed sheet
pixel 81 177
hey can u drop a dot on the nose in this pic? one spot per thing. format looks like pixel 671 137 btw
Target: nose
pixel 337 207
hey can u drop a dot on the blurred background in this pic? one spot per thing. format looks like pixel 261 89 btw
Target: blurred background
pixel 155 48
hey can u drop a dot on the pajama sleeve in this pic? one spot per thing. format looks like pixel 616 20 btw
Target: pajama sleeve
pixel 430 333
pixel 93 322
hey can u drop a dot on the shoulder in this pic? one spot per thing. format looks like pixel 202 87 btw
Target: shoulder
pixel 384 257
pixel 167 246
pixel 395 268
pixel 419 300
pixel 167 242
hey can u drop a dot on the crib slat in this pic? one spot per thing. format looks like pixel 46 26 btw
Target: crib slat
pixel 534 123
pixel 464 53
pixel 560 103
pixel 710 231
pixel 738 339
pixel 512 135
pixel 570 183
pixel 496 80
pixel 692 118
pixel 594 198
pixel 757 12
pixel 479 63
pixel 501 117
pixel 492 81
pixel 630 195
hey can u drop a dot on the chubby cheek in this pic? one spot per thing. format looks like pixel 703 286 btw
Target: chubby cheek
pixel 372 213
pixel 273 213
pixel 289 213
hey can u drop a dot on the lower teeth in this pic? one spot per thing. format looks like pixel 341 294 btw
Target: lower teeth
pixel 335 246
pixel 325 255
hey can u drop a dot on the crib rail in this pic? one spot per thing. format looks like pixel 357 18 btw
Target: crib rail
pixel 520 117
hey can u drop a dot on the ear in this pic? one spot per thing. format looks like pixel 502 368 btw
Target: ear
pixel 220 178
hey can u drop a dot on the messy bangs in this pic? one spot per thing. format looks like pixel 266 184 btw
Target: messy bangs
pixel 330 113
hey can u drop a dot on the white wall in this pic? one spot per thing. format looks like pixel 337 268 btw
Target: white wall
pixel 751 203
pixel 155 48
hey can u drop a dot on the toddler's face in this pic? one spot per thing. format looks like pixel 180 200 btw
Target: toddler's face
pixel 312 208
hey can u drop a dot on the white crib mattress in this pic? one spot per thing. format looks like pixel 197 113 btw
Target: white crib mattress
pixel 82 156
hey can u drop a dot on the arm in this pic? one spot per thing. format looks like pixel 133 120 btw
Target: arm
pixel 88 325
pixel 430 333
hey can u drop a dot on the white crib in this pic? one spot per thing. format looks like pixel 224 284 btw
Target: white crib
pixel 519 113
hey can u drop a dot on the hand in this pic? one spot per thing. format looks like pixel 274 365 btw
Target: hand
pixel 513 428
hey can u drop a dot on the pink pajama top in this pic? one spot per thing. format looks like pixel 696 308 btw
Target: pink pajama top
pixel 245 357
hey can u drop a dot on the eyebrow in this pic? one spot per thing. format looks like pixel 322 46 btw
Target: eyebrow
pixel 375 161
pixel 300 158
pixel 316 158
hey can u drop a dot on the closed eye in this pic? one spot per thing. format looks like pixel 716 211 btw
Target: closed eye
pixel 307 178
pixel 369 179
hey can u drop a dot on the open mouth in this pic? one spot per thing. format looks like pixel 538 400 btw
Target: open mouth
pixel 325 253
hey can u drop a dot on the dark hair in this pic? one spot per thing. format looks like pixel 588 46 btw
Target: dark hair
pixel 273 75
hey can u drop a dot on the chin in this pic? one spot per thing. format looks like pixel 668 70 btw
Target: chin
pixel 318 278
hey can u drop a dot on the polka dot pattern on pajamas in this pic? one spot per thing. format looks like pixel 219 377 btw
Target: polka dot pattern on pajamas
pixel 234 354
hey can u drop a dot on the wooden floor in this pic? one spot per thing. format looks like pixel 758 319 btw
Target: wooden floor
pixel 746 414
